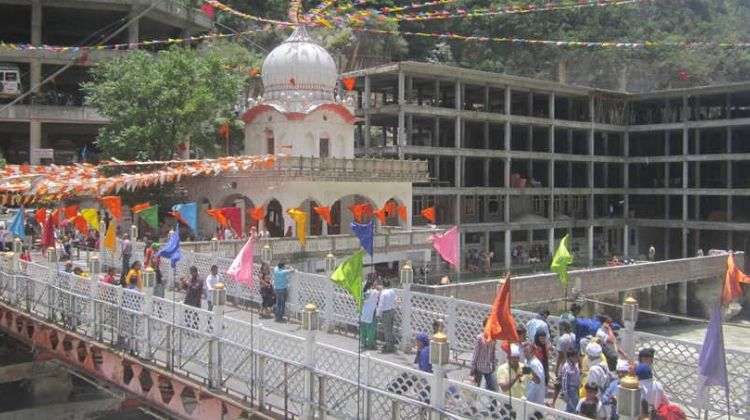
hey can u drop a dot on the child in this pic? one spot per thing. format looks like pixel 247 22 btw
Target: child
pixel 590 406
pixel 571 380
pixel 109 278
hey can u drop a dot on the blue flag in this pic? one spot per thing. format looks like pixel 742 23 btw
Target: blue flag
pixel 365 234
pixel 712 365
pixel 171 249
pixel 189 213
pixel 16 225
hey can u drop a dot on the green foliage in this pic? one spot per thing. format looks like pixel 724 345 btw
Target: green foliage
pixel 158 101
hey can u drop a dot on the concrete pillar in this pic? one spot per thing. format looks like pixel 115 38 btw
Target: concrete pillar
pixel 685 138
pixel 666 243
pixel 366 107
pixel 457 209
pixel 507 249
pixel 35 140
pixel 590 243
pixel 625 241
pixel 134 28
pixel 401 116
pixel 552 248
pixel 682 298
pixel 458 172
pixel 36 22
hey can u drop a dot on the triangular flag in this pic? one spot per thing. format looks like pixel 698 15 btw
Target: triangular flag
pixel 41 215
pixel 358 211
pixel 218 216
pixel 70 211
pixel 110 238
pixel 365 234
pixel 348 276
pixel 349 83
pixel 81 224
pixel 324 213
pixel 712 368
pixel 256 213
pixel 189 214
pixel 113 203
pixel 234 218
pixel 732 279
pixel 242 266
pixel 429 214
pixel 390 208
pixel 562 260
pixel 500 324
pixel 446 244
pixel 91 216
pixel 380 214
pixel 150 215
pixel 171 249
pixel 139 207
pixel 55 217
pixel 300 219
pixel 17 225
pixel 402 213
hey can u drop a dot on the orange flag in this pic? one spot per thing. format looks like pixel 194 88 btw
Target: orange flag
pixel 324 213
pixel 256 213
pixel 380 214
pixel 390 208
pixel 429 214
pixel 81 224
pixel 113 203
pixel 402 213
pixel 70 211
pixel 139 207
pixel 41 215
pixel 358 211
pixel 218 216
pixel 732 280
pixel 500 324
pixel 349 83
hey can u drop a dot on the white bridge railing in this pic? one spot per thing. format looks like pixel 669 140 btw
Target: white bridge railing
pixel 298 376
pixel 676 362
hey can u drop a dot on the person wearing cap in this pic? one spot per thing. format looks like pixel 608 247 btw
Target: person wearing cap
pixel 598 373
pixel 422 359
pixel 609 398
pixel 538 323
pixel 646 356
pixel 652 390
pixel 510 377
pixel 536 389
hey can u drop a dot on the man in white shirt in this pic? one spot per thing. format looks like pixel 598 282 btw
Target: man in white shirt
pixel 535 388
pixel 228 234
pixel 598 370
pixel 387 313
pixel 539 323
pixel 211 281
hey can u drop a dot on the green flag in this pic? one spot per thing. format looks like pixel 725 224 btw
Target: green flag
pixel 151 215
pixel 349 276
pixel 562 260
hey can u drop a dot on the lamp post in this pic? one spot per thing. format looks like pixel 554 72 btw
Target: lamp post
pixel 52 254
pixel 439 352
pixel 94 266
pixel 220 300
pixel 330 261
pixel 407 275
pixel 17 245
pixel 310 321
pixel 134 232
pixel 214 244
pixel 629 398
pixel 266 253
pixel 630 317
pixel 149 279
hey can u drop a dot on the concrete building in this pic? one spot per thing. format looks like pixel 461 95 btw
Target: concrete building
pixel 518 163
pixel 54 117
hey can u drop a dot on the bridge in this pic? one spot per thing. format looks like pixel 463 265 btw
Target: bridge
pixel 192 363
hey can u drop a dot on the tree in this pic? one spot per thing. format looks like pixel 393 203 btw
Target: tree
pixel 157 102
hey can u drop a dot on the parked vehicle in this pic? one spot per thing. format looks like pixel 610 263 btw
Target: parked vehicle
pixel 10 80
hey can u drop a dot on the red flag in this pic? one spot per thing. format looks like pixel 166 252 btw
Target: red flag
pixel 139 207
pixel 113 203
pixel 234 218
pixel 324 213
pixel 70 211
pixel 429 214
pixel 358 211
pixel 349 83
pixel 256 213
pixel 208 10
pixel 55 217
pixel 176 215
pixel 40 215
pixel 732 280
pixel 81 224
pixel 48 233
pixel 218 216
pixel 402 213
pixel 500 324
pixel 366 209
pixel 380 214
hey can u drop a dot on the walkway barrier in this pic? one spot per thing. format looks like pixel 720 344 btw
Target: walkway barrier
pixel 676 363
pixel 294 375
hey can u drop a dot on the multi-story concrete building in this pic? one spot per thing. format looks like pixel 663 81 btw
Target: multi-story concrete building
pixel 517 163
pixel 55 117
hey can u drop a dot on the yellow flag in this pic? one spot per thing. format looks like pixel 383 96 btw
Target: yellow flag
pixel 300 218
pixel 110 238
pixel 91 216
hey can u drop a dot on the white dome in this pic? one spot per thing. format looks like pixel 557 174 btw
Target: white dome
pixel 299 69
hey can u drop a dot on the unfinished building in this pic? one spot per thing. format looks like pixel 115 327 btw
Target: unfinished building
pixel 518 163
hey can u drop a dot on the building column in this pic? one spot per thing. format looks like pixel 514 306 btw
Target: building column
pixel 35 73
pixel 35 140
pixel 134 28
pixel 685 144
pixel 625 241
pixel 590 243
pixel 457 209
pixel 682 298
pixel 401 142
pixel 366 108
pixel 552 248
pixel 507 249
pixel 36 22
pixel 666 243
pixel 458 172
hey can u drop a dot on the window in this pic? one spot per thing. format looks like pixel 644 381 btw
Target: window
pixel 323 152
pixel 422 202
pixel 493 205
pixel 469 205
pixel 270 145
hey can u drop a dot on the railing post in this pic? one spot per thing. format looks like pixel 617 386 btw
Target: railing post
pixel 293 301
pixel 406 332
pixel 149 279
pixel 330 304
pixel 367 365
pixel 451 321
pixel 630 317
pixel 50 293
pixel 310 321
pixel 214 350
pixel 260 379
pixel 94 315
pixel 439 352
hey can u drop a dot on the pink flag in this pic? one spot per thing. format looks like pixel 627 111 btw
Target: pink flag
pixel 242 266
pixel 446 244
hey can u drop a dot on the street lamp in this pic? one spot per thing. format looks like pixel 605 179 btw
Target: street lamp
pixel 310 317
pixel 134 232
pixel 149 278
pixel 629 317
pixel 214 244
pixel 630 310
pixel 219 295
pixel 330 263
pixel 17 245
pixel 266 253
pixel 52 254
pixel 407 274
pixel 629 398
pixel 94 265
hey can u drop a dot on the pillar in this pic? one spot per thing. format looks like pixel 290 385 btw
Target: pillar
pixel 552 248
pixel 682 298
pixel 507 249
pixel 590 243
pixel 35 140
pixel 133 29
pixel 36 22
pixel 366 107
pixel 625 241
pixel 401 116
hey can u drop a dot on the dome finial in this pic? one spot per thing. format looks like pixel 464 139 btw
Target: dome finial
pixel 295 7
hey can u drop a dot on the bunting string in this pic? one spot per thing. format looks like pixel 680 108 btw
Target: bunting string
pixel 317 11
pixel 224 8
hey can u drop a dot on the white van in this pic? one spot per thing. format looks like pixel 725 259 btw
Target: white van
pixel 10 80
